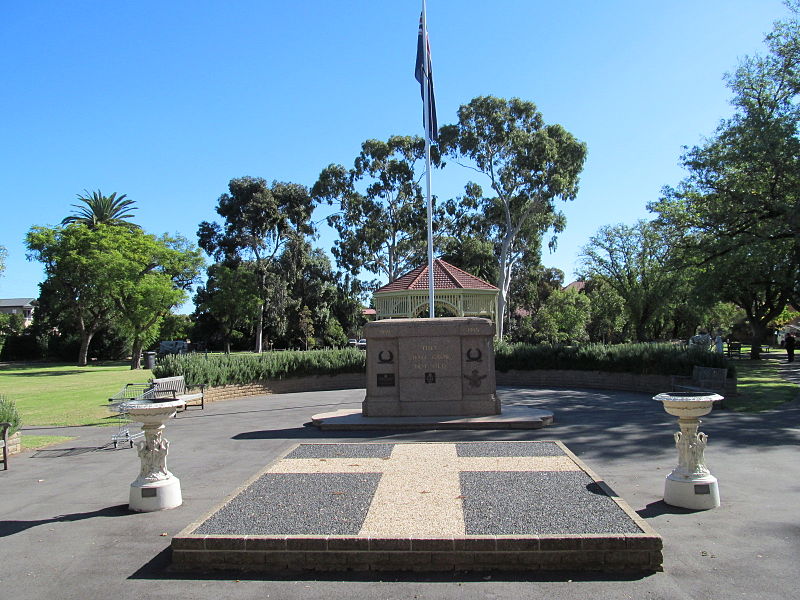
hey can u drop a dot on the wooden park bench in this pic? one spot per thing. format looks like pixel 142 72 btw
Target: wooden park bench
pixel 703 379
pixel 734 349
pixel 174 388
pixel 4 443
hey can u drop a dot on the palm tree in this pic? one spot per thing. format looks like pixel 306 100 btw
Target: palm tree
pixel 108 210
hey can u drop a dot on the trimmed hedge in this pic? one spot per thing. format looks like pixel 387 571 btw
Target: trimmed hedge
pixel 242 369
pixel 639 359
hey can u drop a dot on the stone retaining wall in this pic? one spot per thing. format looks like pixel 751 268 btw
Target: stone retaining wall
pixel 651 384
pixel 14 444
pixel 312 383
pixel 603 380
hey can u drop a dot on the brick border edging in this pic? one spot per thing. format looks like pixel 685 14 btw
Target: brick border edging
pixel 602 380
pixel 295 554
pixel 310 554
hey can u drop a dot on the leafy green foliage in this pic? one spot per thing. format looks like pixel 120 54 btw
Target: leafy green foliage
pixel 563 318
pixel 380 206
pixel 108 274
pixel 11 323
pixel 634 261
pixel 175 327
pixel 227 369
pixel 259 221
pixel 644 359
pixel 155 280
pixel 739 207
pixel 528 165
pixel 9 414
pixel 100 209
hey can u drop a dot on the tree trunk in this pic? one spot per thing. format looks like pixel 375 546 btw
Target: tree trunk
pixel 260 329
pixel 86 339
pixel 136 353
pixel 759 332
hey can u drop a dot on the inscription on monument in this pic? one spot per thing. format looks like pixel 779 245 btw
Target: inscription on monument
pixel 434 355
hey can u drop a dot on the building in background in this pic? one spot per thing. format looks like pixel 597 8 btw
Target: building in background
pixel 19 306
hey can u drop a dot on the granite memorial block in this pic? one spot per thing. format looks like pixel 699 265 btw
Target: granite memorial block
pixel 430 367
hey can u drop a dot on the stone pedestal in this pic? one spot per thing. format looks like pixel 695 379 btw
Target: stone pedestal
pixel 155 488
pixel 430 367
pixel 691 484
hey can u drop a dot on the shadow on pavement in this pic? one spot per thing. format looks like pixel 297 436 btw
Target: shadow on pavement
pixel 656 509
pixel 8 528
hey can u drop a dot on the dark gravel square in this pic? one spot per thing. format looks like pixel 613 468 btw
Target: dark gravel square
pixel 297 504
pixel 510 449
pixel 539 503
pixel 341 451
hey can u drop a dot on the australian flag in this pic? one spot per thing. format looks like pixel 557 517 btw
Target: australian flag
pixel 419 73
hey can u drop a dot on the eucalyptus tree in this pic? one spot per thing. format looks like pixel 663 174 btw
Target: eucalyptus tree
pixel 101 209
pixel 379 206
pixel 230 299
pixel 528 165
pixel 259 220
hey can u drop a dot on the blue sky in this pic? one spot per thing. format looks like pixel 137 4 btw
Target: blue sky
pixel 167 101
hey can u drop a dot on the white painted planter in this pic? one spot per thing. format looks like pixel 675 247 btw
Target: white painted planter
pixel 691 484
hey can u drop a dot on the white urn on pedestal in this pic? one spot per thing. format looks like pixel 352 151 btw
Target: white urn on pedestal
pixel 691 484
pixel 155 488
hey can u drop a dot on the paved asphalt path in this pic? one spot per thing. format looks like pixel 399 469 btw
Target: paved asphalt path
pixel 65 531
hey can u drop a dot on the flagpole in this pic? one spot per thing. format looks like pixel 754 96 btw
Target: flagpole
pixel 427 117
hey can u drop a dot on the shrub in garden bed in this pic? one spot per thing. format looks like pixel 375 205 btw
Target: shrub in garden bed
pixel 240 369
pixel 640 359
pixel 9 414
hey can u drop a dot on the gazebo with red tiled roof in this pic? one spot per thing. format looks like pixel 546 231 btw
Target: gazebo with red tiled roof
pixel 456 291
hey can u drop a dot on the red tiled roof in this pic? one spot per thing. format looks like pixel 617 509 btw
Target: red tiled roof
pixel 575 285
pixel 445 277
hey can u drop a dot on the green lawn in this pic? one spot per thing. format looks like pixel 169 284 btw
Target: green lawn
pixel 35 442
pixel 760 387
pixel 57 394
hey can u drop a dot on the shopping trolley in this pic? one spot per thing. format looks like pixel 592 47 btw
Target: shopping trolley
pixel 118 404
